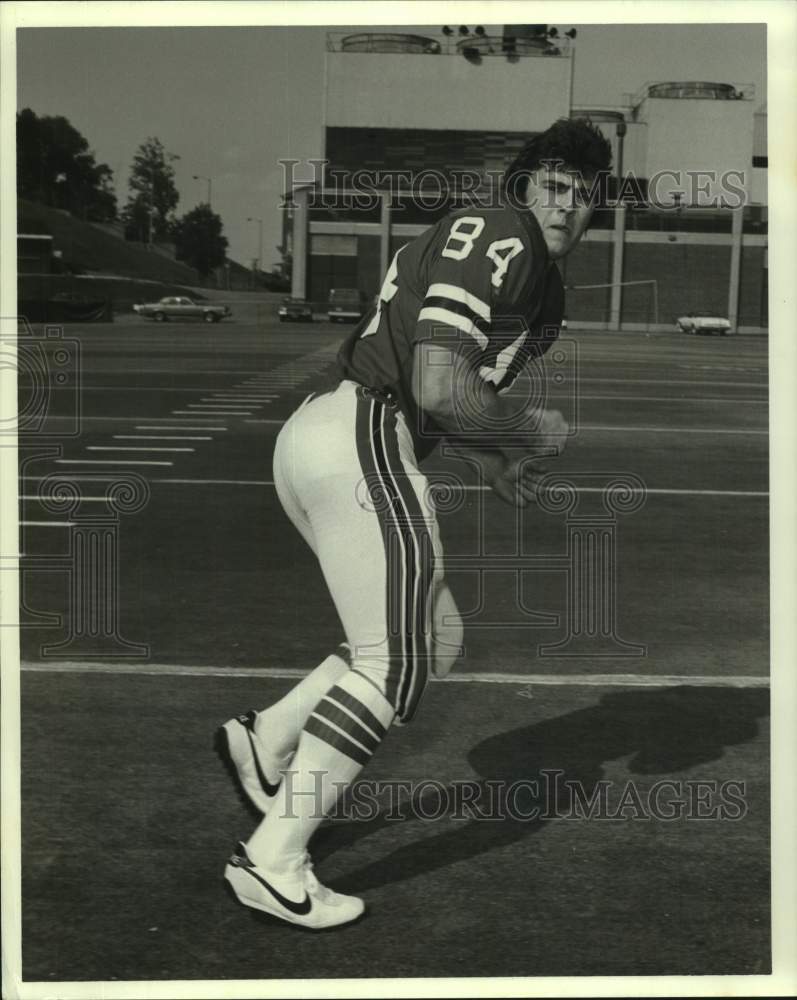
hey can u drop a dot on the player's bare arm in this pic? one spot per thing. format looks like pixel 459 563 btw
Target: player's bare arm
pixel 463 404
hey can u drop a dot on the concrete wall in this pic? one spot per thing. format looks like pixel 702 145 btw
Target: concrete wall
pixel 753 303
pixel 446 91
pixel 685 135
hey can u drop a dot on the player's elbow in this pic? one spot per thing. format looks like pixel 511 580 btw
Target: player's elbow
pixel 432 380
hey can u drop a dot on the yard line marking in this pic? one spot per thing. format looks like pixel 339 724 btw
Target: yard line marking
pixel 668 430
pixel 659 381
pixel 485 489
pixel 237 397
pixel 137 416
pixel 141 388
pixel 652 492
pixel 138 371
pixel 47 524
pixel 174 427
pixel 477 677
pixel 663 399
pixel 56 497
pixel 160 437
pixel 121 447
pixel 106 461
pixel 214 413
pixel 263 420
pixel 215 482
pixel 210 407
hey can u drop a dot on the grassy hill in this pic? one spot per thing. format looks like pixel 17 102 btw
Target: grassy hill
pixel 89 249
pixel 101 264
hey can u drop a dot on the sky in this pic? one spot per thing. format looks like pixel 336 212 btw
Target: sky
pixel 232 101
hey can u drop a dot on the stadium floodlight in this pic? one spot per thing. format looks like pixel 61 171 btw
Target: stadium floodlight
pixel 553 33
pixel 571 34
pixel 479 30
pixel 447 31
pixel 464 30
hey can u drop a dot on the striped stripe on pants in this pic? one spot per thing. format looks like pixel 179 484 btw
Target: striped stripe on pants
pixel 409 554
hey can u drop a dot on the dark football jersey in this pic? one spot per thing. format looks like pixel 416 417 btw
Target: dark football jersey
pixel 485 272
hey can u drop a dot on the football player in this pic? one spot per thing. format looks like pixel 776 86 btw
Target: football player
pixel 463 309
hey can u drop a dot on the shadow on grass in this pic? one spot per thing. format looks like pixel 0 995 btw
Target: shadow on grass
pixel 662 732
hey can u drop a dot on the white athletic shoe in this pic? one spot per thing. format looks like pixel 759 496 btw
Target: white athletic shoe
pixel 297 897
pixel 255 772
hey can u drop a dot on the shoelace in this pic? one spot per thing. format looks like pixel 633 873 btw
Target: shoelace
pixel 311 883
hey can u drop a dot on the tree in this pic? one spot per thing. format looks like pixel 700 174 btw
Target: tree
pixel 56 167
pixel 149 212
pixel 199 239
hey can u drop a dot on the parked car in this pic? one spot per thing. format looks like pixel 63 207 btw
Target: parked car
pixel 346 304
pixel 295 309
pixel 703 321
pixel 181 307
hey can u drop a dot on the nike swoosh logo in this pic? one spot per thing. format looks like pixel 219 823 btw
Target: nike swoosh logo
pixel 265 784
pixel 300 909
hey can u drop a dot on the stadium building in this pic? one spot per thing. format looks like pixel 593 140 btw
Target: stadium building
pixel 436 111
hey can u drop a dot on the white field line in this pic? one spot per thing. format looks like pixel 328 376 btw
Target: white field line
pixel 47 524
pixel 215 482
pixel 210 413
pixel 212 407
pixel 106 461
pixel 662 381
pixel 484 489
pixel 144 388
pixel 667 430
pixel 161 437
pixel 55 497
pixel 659 399
pixel 173 427
pixel 137 416
pixel 542 680
pixel 119 447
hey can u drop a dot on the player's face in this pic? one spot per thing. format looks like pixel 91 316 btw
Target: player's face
pixel 560 203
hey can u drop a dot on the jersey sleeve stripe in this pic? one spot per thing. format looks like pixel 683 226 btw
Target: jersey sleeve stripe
pixel 459 308
pixel 436 314
pixel 457 294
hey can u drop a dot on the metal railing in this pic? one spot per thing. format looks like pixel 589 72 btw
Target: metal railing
pixel 470 46
pixel 695 90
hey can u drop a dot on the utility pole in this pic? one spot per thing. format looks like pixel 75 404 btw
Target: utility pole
pixel 151 212
pixel 201 177
pixel 616 303
pixel 259 222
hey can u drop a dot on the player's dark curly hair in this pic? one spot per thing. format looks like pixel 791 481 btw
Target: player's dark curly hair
pixel 574 142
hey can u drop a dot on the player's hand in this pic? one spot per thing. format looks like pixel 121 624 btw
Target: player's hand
pixel 550 435
pixel 518 481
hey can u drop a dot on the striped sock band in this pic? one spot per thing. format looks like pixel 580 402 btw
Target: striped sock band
pixel 353 722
